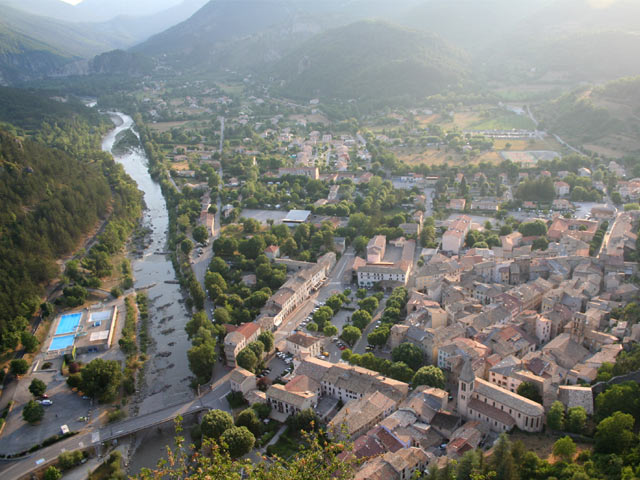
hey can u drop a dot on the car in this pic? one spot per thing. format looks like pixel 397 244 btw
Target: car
pixel 86 397
pixel 45 402
pixel 43 396
pixel 342 347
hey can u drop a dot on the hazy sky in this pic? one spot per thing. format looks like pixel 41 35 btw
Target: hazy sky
pixel 72 2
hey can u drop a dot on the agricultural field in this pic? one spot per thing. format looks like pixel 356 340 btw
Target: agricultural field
pixel 167 126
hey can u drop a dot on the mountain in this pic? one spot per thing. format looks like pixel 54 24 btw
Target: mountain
pixel 604 119
pixel 370 59
pixel 97 10
pixel 470 24
pixel 571 40
pixel 23 58
pixel 247 33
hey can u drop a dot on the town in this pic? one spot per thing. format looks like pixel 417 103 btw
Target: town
pixel 334 280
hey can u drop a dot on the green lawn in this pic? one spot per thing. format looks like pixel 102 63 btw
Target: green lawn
pixel 286 446
pixel 504 121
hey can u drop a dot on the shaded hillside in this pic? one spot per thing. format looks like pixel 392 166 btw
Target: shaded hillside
pixel 370 59
pixel 23 58
pixel 55 185
pixel 604 120
pixel 30 110
pixel 217 21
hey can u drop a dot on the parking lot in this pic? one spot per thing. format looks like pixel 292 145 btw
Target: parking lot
pixel 67 408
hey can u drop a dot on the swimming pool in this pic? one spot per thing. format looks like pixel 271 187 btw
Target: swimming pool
pixel 68 323
pixel 60 343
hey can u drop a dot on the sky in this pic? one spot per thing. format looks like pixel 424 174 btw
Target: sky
pixel 72 2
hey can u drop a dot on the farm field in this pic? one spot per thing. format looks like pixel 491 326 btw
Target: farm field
pixel 166 126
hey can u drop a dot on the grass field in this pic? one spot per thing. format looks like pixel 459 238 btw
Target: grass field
pixel 542 445
pixel 166 126
pixel 501 120
pixel 229 89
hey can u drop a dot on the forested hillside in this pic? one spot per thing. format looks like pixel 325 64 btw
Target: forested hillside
pixel 371 59
pixel 55 185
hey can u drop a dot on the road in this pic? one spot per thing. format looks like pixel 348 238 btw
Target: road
pixel 333 284
pixel 213 399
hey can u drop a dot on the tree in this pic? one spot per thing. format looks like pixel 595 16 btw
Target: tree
pixel 267 339
pixel 199 320
pixel 257 348
pixel 379 336
pixel 400 371
pixel 615 434
pixel 222 316
pixel 540 243
pixel 564 448
pixel 576 419
pixel 200 234
pixel 330 330
pixel 68 460
pixel 238 441
pixel 502 461
pixel 305 420
pixel 214 279
pixel 215 423
pixel 555 418
pixel 322 316
pixel 33 412
pixel 186 246
pixel 248 418
pixel 29 341
pixel 533 229
pixel 202 359
pixel 37 387
pixel 529 390
pixel 18 366
pixel 429 375
pixel 247 359
pixel 52 473
pixel 101 379
pixel 334 302
pixel 361 318
pixel 360 244
pixel 408 353
pixel 350 334
pixel 370 304
pixel 312 326
pixel 624 397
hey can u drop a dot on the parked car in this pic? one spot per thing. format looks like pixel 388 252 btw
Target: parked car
pixel 45 402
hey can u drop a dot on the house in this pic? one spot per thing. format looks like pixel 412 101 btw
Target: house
pixel 581 229
pixel 498 407
pixel 562 188
pixel 288 400
pixel 456 204
pixel 238 338
pixel 376 248
pixel 399 465
pixel 584 172
pixel 301 344
pixel 242 380
pixel 360 415
pixel 311 172
pixel 488 204
pixel 272 252
pixel 389 274
pixel 453 238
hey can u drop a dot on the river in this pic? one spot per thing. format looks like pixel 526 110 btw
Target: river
pixel 167 374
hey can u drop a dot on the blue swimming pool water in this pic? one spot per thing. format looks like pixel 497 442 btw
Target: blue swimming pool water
pixel 68 323
pixel 60 343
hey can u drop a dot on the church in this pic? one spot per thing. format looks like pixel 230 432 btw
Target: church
pixel 499 408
